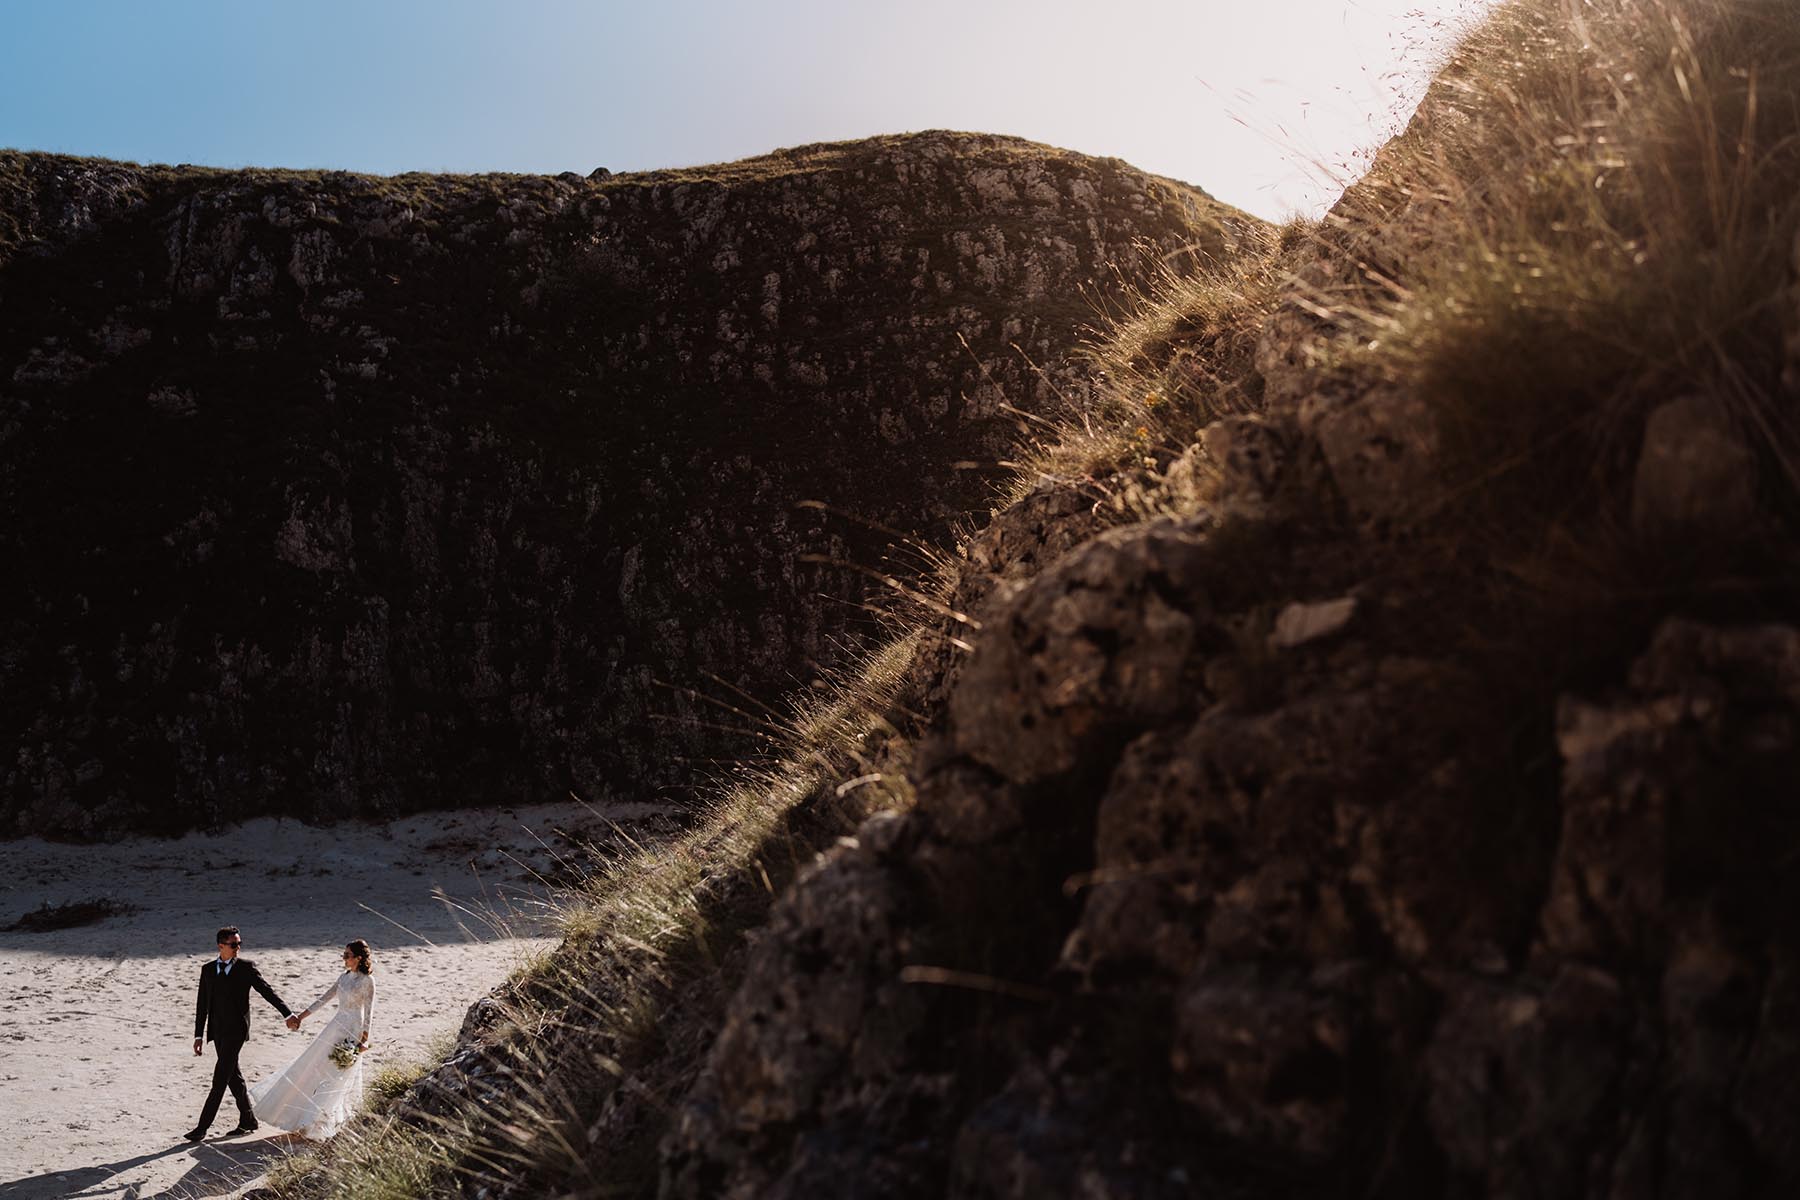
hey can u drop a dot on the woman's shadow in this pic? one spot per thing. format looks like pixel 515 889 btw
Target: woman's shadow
pixel 219 1169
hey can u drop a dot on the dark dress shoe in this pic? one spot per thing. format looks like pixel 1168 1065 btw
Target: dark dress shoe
pixel 193 1135
pixel 241 1130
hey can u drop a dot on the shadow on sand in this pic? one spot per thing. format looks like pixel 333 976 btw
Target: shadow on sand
pixel 219 1169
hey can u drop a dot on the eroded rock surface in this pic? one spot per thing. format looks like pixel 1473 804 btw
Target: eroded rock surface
pixel 1241 865
pixel 1144 940
pixel 345 495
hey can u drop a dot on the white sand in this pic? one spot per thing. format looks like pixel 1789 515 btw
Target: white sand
pixel 98 1078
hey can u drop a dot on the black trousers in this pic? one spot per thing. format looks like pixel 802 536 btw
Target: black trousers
pixel 227 1075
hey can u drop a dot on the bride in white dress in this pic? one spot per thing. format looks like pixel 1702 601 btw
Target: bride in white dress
pixel 312 1095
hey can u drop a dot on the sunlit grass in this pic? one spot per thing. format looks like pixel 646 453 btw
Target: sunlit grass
pixel 392 1080
pixel 1181 357
pixel 1599 214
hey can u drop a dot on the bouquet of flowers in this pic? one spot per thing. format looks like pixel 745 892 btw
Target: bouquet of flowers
pixel 344 1053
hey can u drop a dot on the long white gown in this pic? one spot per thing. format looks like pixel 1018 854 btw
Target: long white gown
pixel 312 1095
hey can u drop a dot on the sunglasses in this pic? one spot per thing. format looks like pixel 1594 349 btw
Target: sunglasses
pixel 231 944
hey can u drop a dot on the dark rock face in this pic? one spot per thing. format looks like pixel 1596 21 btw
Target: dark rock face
pixel 344 495
pixel 1219 880
pixel 1147 940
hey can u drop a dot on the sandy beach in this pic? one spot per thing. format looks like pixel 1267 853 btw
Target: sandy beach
pixel 98 1079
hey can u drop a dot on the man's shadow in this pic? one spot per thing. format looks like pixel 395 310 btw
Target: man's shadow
pixel 219 1169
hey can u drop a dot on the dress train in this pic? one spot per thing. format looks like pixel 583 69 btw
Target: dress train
pixel 312 1095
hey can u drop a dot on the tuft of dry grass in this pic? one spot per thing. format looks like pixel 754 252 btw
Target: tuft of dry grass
pixel 651 891
pixel 393 1080
pixel 385 1161
pixel 1181 357
pixel 1595 212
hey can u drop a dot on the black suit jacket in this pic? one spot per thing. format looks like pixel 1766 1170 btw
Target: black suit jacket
pixel 222 1012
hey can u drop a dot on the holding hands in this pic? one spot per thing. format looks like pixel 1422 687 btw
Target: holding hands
pixel 294 1019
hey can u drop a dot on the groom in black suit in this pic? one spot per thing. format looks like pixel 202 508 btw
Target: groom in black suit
pixel 222 1016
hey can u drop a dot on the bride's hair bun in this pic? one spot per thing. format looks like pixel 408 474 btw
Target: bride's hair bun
pixel 360 948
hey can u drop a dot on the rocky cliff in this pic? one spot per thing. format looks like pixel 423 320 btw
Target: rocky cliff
pixel 346 495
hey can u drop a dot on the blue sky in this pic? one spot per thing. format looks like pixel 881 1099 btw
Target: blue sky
pixel 1262 104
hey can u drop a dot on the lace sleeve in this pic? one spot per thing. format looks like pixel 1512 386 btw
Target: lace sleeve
pixel 325 995
pixel 368 1012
